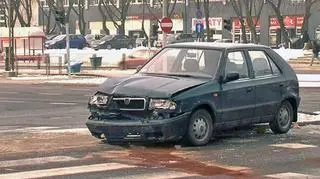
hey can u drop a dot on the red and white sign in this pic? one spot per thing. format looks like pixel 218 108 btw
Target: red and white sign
pixel 289 22
pixel 166 24
pixel 214 23
pixel 237 23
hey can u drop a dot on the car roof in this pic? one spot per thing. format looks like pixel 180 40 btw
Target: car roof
pixel 215 45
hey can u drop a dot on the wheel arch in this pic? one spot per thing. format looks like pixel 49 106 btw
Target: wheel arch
pixel 294 104
pixel 209 108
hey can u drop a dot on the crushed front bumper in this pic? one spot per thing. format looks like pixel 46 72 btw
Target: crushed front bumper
pixel 171 129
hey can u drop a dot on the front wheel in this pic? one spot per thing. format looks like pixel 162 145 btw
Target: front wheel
pixel 109 47
pixel 282 121
pixel 200 128
pixel 130 46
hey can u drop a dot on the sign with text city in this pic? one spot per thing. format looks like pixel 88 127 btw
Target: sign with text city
pixel 214 23
pixel 166 24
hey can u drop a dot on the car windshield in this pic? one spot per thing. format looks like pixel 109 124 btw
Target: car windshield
pixel 184 62
pixel 59 37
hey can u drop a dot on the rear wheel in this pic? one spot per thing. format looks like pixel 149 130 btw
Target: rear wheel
pixel 130 46
pixel 200 128
pixel 283 119
pixel 109 47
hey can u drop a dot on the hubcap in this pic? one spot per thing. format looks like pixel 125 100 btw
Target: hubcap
pixel 284 117
pixel 200 128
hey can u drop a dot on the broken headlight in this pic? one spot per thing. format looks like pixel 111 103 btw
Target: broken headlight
pixel 162 104
pixel 98 99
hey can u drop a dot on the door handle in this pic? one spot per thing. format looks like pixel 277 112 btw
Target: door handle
pixel 249 89
pixel 281 85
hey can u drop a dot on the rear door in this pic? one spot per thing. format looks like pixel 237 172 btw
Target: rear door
pixel 269 83
pixel 238 97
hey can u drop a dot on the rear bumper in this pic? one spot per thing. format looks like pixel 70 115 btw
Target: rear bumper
pixel 140 131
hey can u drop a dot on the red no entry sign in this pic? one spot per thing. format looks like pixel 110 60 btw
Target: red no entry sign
pixel 166 24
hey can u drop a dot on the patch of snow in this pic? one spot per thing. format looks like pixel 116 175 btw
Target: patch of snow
pixel 289 53
pixel 96 81
pixel 39 77
pixel 308 118
pixel 309 84
pixel 308 77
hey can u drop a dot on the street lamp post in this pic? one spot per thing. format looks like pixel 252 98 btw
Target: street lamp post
pixel 185 17
pixel 164 14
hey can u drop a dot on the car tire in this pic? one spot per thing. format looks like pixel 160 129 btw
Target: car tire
pixel 200 128
pixel 109 47
pixel 283 119
pixel 130 46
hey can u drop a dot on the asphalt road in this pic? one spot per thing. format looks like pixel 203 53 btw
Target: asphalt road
pixel 51 153
pixel 65 106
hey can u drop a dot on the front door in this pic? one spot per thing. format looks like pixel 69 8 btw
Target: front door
pixel 238 97
pixel 269 84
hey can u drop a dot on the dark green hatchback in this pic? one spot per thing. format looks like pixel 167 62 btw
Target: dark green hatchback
pixel 189 90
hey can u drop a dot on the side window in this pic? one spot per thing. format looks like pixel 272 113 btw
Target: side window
pixel 275 69
pixel 260 63
pixel 236 63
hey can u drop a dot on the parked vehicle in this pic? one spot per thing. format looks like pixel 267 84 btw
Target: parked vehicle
pixel 90 38
pixel 189 90
pixel 183 37
pixel 114 41
pixel 59 42
pixel 137 58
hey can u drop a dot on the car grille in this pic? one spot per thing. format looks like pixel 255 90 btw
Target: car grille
pixel 128 104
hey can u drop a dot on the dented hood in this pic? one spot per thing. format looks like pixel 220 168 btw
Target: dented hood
pixel 149 86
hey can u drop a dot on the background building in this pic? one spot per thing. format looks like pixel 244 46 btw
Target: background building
pixel 267 27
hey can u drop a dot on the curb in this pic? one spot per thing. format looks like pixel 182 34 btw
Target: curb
pixel 309 113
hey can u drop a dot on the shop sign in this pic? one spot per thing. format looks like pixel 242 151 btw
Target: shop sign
pixel 214 23
pixel 289 21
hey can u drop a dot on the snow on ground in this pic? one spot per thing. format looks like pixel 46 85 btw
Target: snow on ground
pixel 96 81
pixel 109 57
pixel 309 77
pixel 113 57
pixel 289 53
pixel 308 118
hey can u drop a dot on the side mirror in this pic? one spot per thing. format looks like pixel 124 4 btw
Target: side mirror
pixel 232 77
pixel 138 68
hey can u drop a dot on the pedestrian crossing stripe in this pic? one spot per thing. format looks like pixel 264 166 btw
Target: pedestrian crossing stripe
pixel 67 171
pixel 290 175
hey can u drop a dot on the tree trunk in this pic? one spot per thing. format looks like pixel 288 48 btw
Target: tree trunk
pixel 305 26
pixel 142 23
pixel 207 13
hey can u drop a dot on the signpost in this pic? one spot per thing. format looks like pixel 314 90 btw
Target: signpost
pixel 166 24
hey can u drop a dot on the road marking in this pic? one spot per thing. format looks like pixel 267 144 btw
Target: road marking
pixel 74 130
pixel 81 89
pixel 64 103
pixel 160 175
pixel 290 175
pixel 87 95
pixel 9 101
pixel 51 94
pixel 8 92
pixel 317 112
pixel 67 171
pixel 293 145
pixel 36 161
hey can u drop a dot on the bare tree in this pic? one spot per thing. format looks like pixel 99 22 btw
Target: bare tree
pixel 117 14
pixel 104 16
pixel 143 17
pixel 79 11
pixel 307 15
pixel 23 11
pixel 206 14
pixel 237 7
pixel 170 10
pixel 251 8
pixel 50 28
pixel 276 6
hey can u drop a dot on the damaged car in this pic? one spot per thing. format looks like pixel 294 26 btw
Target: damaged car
pixel 190 90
